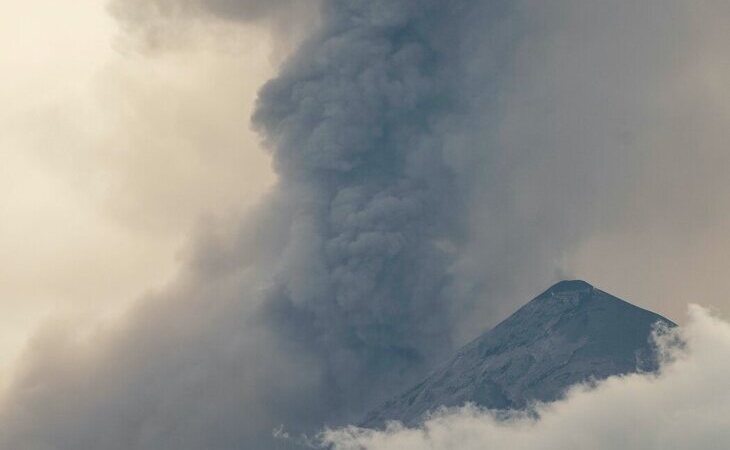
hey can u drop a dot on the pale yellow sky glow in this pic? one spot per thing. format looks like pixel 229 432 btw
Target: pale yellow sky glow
pixel 111 155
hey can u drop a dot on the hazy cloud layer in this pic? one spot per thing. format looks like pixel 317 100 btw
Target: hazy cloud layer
pixel 685 406
pixel 110 159
pixel 238 10
pixel 439 163
pixel 173 23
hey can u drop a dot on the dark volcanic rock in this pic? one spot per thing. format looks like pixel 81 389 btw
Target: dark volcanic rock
pixel 569 334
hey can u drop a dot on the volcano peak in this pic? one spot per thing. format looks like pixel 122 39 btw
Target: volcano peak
pixel 571 333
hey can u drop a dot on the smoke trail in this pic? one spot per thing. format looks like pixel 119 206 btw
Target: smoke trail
pixel 356 122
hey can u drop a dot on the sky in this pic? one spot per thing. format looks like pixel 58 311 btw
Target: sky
pixel 201 196
pixel 112 156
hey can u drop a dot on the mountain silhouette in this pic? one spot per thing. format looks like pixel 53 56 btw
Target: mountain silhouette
pixel 571 333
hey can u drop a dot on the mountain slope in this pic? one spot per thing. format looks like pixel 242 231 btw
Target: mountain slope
pixel 571 333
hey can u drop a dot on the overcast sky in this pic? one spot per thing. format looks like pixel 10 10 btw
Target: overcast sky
pixel 412 173
pixel 113 154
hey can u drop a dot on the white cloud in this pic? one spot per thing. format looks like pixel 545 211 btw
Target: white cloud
pixel 687 406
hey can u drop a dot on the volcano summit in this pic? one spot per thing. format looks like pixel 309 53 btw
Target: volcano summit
pixel 572 333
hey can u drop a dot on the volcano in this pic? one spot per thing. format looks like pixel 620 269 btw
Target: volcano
pixel 572 333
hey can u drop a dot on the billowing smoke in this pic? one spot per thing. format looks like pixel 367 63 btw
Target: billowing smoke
pixel 334 294
pixel 437 160
pixel 685 406
pixel 356 121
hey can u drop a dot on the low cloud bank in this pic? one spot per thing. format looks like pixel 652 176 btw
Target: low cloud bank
pixel 686 406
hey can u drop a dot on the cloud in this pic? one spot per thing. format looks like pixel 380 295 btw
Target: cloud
pixel 176 23
pixel 685 406
pixel 110 159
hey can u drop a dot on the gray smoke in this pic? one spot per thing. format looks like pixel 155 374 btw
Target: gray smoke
pixel 437 159
pixel 356 122
pixel 344 298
